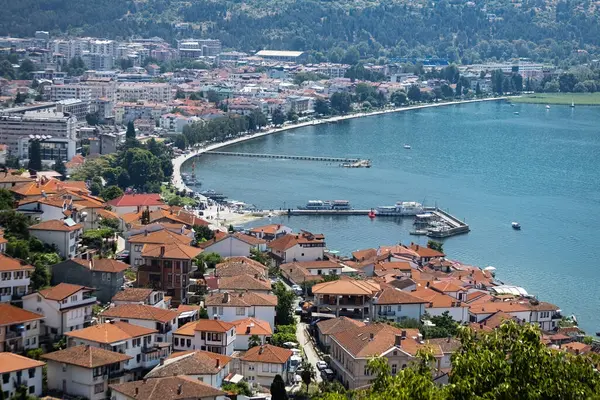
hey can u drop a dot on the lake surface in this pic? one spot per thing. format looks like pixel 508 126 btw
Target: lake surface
pixel 480 161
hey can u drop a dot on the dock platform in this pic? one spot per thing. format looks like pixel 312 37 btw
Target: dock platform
pixel 288 157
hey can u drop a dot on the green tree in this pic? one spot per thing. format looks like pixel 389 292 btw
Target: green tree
pixel 567 82
pixel 40 277
pixel 92 119
pixel 20 98
pixel 414 93
pixel 292 116
pixel 278 117
pixel 308 373
pixel 130 133
pixel 203 233
pixel 111 192
pixel 478 91
pixel 260 257
pixel 207 260
pixel 15 224
pixel 341 102
pixel 7 200
pixel 240 388
pixel 180 142
pixel 59 166
pixel 447 91
pixel 497 81
pixel 35 155
pixel 399 98
pixel 212 96
pixel 278 391
pixel 322 107
pixel 352 56
pixel 6 70
pixel 285 304
pixel 435 245
pixel 444 327
pixel 253 341
pixel 514 360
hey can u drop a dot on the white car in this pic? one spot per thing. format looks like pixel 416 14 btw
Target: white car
pixel 321 365
pixel 297 289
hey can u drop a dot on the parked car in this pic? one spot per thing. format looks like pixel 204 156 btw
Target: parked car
pixel 123 256
pixel 321 365
pixel 297 289
pixel 327 374
pixel 298 311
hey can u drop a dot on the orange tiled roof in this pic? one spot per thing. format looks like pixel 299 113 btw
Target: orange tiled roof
pixel 86 356
pixel 133 294
pixel 61 291
pixel 290 240
pixel 55 225
pixel 102 264
pixel 140 311
pixel 243 282
pixel 347 287
pixel 167 389
pixel 396 296
pixel 233 266
pixel 436 299
pixel 110 332
pixel 10 362
pixel 173 250
pixel 424 251
pixel 12 264
pixel 240 299
pixel 268 229
pixel 204 325
pixel 14 315
pixel 252 326
pixel 267 354
pixel 133 200
pixel 195 362
pixel 47 186
pixel 339 324
pixel 163 236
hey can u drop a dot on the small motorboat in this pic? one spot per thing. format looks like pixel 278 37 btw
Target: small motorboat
pixel 516 113
pixel 516 226
pixel 372 214
pixel 407 147
pixel 547 107
pixel 572 103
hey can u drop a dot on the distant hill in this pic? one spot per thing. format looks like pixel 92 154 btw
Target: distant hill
pixel 467 31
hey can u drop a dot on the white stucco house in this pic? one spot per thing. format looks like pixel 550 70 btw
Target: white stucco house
pixel 65 307
pixel 174 387
pixel 234 306
pixel 164 321
pixel 260 364
pixel 206 334
pixel 395 305
pixel 129 203
pixel 17 370
pixel 234 245
pixel 303 246
pixel 64 234
pixel 247 327
pixel 14 278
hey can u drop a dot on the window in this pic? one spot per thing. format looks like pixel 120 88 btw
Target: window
pixel 399 308
pixel 64 367
pixel 203 335
pixel 64 301
pixel 214 310
pixel 31 389
pixel 5 378
pixel 74 298
pixel 99 388
pixel 319 272
pixel 137 247
pixel 176 341
pixel 27 327
pixel 170 278
pixel 366 371
pixel 394 369
pixel 103 276
pixel 250 367
pixel 274 368
pixel 108 277
pixel 177 279
pixel 240 311
pixel 138 357
pixel 31 372
pixel 189 342
pixel 220 310
pixel 265 367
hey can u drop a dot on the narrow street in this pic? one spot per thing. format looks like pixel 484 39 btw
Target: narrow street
pixel 307 345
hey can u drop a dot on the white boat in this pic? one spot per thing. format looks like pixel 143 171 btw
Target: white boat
pixel 407 146
pixel 516 226
pixel 572 103
pixel 401 208
pixel 326 205
pixel 547 107
pixel 516 113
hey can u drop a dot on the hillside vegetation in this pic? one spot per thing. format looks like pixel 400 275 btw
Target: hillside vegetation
pixel 462 31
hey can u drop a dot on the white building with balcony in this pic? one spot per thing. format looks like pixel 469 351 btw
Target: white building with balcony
pixel 206 334
pixel 14 278
pixel 19 329
pixel 16 371
pixel 164 321
pixel 85 371
pixel 65 307
pixel 234 306
pixel 260 364
pixel 135 341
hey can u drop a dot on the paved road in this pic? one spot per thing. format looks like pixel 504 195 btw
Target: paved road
pixel 307 345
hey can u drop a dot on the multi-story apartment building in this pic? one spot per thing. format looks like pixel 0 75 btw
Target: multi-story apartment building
pixel 206 334
pixel 164 321
pixel 19 371
pixel 65 307
pixel 135 341
pixel 194 48
pixel 64 234
pixel 75 107
pixel 167 267
pixel 155 92
pixel 19 329
pixel 70 91
pixel 14 278
pixel 55 130
pixel 234 306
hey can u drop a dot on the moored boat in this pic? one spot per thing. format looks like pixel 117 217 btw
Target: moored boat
pixel 516 226
pixel 401 208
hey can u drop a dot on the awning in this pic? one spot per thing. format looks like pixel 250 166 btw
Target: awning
pixel 236 378
pixel 187 314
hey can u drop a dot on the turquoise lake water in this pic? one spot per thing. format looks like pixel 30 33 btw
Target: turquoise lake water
pixel 480 161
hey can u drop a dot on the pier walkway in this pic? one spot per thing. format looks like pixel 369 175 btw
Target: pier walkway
pixel 280 156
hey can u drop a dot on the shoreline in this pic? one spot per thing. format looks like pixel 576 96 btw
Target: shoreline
pixel 223 220
pixel 179 161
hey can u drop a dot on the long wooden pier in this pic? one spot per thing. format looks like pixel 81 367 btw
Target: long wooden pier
pixel 281 156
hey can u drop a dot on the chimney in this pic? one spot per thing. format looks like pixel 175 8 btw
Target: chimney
pixel 417 247
pixel 218 363
pixel 371 336
pixel 480 326
pixel 403 335
pixel 427 284
pixel 179 387
pixel 162 361
pixel 248 330
pixel 226 297
pixel 398 340
pixel 448 340
pixel 145 232
pixel 162 251
pixel 137 391
pixel 260 351
pixel 256 276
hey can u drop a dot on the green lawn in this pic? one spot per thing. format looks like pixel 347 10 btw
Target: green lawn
pixel 168 195
pixel 590 99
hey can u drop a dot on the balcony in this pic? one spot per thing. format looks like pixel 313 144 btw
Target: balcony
pixel 389 313
pixel 557 315
pixel 12 335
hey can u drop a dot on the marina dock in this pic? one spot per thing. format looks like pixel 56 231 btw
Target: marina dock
pixel 287 157
pixel 447 224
